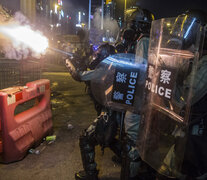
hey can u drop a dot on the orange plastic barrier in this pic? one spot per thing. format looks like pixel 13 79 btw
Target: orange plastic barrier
pixel 19 132
pixel 1 147
pixel 0 139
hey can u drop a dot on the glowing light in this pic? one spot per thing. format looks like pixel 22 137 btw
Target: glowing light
pixel 168 24
pixel 95 47
pixel 58 25
pixel 56 8
pixel 60 2
pixel 78 25
pixel 62 13
pixel 79 17
pixel 24 36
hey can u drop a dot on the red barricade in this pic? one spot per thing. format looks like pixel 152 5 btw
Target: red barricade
pixel 20 131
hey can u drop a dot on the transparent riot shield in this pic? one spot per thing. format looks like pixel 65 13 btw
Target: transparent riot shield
pixel 119 82
pixel 172 60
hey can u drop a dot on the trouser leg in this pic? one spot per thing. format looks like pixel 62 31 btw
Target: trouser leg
pixel 115 144
pixel 131 160
pixel 102 132
pixel 87 154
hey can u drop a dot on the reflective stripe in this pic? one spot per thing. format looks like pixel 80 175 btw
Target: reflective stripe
pixel 11 99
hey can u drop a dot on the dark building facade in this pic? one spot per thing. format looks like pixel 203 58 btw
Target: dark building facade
pixel 13 5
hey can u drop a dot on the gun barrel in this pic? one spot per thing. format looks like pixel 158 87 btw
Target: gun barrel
pixel 61 51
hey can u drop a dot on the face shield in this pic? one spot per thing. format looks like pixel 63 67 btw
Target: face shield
pixel 128 36
pixel 184 33
pixel 174 49
pixel 141 21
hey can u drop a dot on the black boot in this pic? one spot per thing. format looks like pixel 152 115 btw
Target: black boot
pixel 82 175
pixel 87 148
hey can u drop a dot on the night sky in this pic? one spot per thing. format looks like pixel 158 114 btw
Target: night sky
pixel 161 8
pixel 169 8
pixel 76 4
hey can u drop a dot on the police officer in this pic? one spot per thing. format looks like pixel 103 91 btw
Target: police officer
pixel 104 128
pixel 140 21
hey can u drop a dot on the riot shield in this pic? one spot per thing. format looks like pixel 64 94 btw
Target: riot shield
pixel 119 83
pixel 172 60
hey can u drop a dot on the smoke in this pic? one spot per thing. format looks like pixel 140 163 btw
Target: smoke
pixel 20 18
pixel 110 26
pixel 17 48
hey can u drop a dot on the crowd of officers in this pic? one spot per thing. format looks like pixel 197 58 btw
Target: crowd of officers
pixel 134 38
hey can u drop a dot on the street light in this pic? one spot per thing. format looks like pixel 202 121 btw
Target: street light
pixel 89 15
pixel 102 14
pixel 56 8
pixel 125 7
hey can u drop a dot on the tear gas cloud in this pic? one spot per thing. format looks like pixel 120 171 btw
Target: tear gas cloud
pixel 109 25
pixel 18 40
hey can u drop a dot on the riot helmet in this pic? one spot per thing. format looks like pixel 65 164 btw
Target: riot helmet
pixel 140 20
pixel 188 30
pixel 128 37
